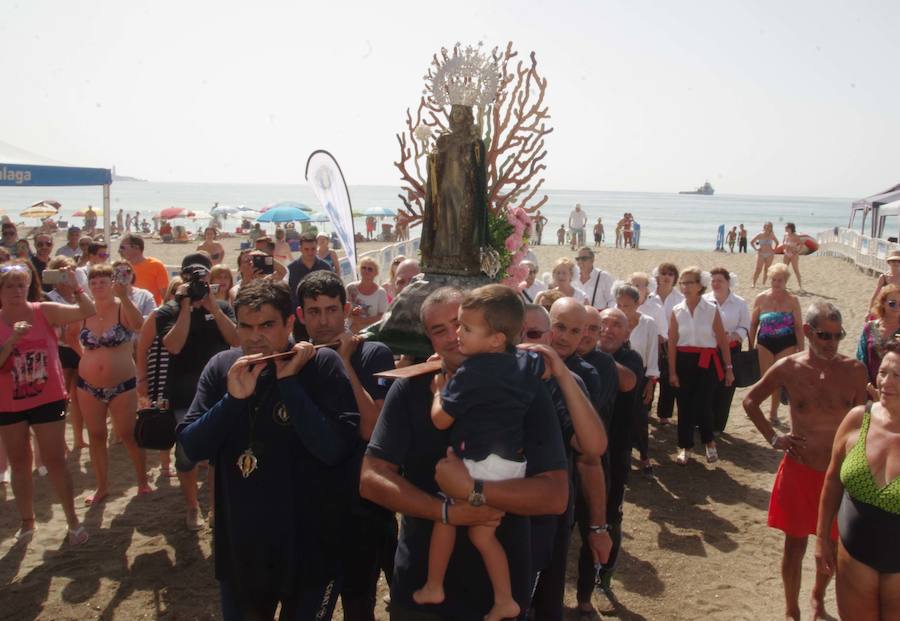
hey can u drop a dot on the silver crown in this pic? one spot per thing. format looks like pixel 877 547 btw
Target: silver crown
pixel 466 78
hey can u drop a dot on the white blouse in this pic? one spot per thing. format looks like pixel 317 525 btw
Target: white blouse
pixel 674 297
pixel 644 339
pixel 696 330
pixel 652 307
pixel 735 314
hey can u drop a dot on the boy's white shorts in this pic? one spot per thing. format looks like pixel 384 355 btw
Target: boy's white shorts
pixel 495 468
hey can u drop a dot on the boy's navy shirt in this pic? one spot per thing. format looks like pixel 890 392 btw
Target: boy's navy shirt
pixel 406 437
pixel 487 398
pixel 282 525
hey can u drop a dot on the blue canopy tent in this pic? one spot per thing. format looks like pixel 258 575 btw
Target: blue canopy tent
pixel 19 173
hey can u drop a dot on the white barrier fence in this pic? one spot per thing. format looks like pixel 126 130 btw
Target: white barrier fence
pixel 868 253
pixel 408 248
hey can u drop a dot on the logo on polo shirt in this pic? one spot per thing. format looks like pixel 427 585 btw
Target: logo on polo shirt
pixel 280 414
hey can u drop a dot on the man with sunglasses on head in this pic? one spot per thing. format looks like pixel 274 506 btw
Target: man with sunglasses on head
pixel 43 246
pixel 596 283
pixel 96 253
pixel 823 386
pixel 10 237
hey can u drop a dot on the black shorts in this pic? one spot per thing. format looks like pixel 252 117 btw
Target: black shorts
pixel 68 357
pixel 47 413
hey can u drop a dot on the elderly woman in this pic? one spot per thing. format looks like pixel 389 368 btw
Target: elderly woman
pixel 776 325
pixel 106 376
pixel 881 330
pixel 221 281
pixel 324 252
pixel 764 243
pixel 33 393
pixel 210 246
pixel 862 489
pixel 698 351
pixel 388 285
pixel 736 320
pixel 563 280
pixel 665 298
pixel 644 339
pixel 890 278
pixel 530 287
pixel 368 300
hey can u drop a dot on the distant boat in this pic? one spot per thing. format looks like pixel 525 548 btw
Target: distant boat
pixel 705 189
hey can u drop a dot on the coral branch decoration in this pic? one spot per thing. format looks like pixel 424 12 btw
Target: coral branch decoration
pixel 508 94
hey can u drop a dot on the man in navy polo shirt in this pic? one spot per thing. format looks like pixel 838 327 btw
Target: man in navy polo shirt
pixel 281 435
pixel 407 463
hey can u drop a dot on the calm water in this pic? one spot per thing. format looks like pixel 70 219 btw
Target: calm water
pixel 667 220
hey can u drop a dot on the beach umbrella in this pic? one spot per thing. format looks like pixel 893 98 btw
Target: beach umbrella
pixel 170 213
pixel 39 210
pixel 293 204
pixel 284 214
pixel 380 212
pixel 49 204
pixel 318 216
pixel 224 210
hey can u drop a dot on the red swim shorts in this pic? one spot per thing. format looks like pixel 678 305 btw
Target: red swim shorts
pixel 794 506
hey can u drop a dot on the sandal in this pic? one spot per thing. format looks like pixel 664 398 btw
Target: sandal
pixel 682 458
pixel 78 536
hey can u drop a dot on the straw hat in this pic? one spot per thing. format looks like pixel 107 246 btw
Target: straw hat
pixel 893 256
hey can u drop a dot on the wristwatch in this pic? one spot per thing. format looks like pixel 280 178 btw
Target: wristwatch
pixel 476 498
pixel 602 528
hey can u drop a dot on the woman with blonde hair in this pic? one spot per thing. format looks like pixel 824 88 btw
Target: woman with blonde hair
pixel 368 300
pixel 107 376
pixel 388 285
pixel 699 358
pixel 33 392
pixel 862 491
pixel 563 280
pixel 221 276
pixel 764 243
pixel 776 325
pixel 880 331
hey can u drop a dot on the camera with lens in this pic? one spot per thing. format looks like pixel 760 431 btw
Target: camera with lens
pixel 197 288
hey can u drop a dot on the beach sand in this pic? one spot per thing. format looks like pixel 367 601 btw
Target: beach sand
pixel 695 538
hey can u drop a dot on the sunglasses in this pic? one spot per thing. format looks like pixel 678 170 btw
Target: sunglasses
pixel 830 336
pixel 13 268
pixel 9 232
pixel 535 334
pixel 103 255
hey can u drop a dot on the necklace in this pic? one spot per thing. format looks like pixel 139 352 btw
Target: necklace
pixel 248 461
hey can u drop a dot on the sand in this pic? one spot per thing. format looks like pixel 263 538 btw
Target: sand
pixel 695 540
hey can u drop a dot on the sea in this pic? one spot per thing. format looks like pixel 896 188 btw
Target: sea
pixel 668 220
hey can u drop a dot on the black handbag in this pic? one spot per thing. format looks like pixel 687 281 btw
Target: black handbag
pixel 746 368
pixel 155 426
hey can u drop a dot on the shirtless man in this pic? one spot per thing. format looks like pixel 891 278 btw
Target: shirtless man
pixel 823 386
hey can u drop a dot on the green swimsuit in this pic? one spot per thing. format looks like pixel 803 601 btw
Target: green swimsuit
pixel 869 517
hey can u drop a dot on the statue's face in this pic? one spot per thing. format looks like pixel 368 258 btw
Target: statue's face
pixel 460 118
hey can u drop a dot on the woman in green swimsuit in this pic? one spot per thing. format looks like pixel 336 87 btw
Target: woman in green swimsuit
pixel 862 489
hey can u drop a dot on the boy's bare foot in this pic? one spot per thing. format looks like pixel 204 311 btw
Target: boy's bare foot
pixel 507 609
pixel 429 594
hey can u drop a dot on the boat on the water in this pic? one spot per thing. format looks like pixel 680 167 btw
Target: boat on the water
pixel 705 189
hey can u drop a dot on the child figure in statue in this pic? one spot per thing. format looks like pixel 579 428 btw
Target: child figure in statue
pixel 484 405
pixel 454 226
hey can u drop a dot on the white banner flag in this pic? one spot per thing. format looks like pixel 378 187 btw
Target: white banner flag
pixel 327 181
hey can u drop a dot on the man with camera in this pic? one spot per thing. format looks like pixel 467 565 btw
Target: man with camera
pixel 281 434
pixel 194 327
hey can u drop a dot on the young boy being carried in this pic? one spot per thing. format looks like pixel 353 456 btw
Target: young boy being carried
pixel 484 405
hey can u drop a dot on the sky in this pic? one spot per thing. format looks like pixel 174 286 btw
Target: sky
pixel 758 97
